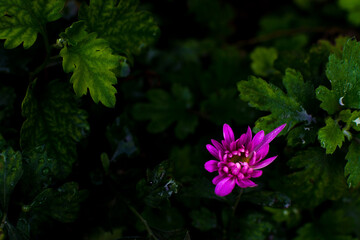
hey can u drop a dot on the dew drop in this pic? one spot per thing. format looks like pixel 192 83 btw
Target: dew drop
pixel 341 101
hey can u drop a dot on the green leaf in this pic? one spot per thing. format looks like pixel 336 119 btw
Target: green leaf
pixel 53 119
pixel 62 204
pixel 331 136
pixel 343 73
pixel 10 173
pixel 330 103
pixel 22 20
pixel 352 167
pixel 317 177
pixel 267 97
pixel 91 61
pixel 333 225
pixel 203 219
pixel 352 119
pixel 127 30
pixel 39 170
pixel 302 92
pixel 263 61
pixel 164 109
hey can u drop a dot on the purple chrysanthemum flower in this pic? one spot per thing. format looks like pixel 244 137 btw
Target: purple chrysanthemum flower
pixel 239 160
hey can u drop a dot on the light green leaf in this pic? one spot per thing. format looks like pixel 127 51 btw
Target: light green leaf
pixel 263 61
pixel 10 173
pixel 352 167
pixel 165 109
pixel 329 101
pixel 318 177
pixel 352 119
pixel 22 20
pixel 53 119
pixel 331 136
pixel 62 204
pixel 267 97
pixel 91 60
pixel 343 73
pixel 127 30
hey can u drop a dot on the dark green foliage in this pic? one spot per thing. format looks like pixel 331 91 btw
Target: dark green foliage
pixel 128 31
pixel 53 119
pixel 11 171
pixel 317 178
pixel 334 225
pixel 164 109
pixel 352 168
pixel 132 167
pixel 62 204
pixel 343 73
pixel 22 20
pixel 331 136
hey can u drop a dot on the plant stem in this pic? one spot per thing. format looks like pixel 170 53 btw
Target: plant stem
pixel 3 220
pixel 148 229
pixel 44 64
pixel 237 201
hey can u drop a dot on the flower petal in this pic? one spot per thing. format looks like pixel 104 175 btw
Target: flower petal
pixel 264 163
pixel 270 136
pixel 258 138
pixel 245 183
pixel 218 178
pixel 225 186
pixel 248 135
pixel 212 150
pixel 211 166
pixel 217 145
pixel 256 173
pixel 249 183
pixel 241 140
pixel 262 152
pixel 228 134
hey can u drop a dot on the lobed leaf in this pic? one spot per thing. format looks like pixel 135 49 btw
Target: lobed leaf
pixel 267 97
pixel 54 120
pixel 343 73
pixel 22 20
pixel 91 61
pixel 331 136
